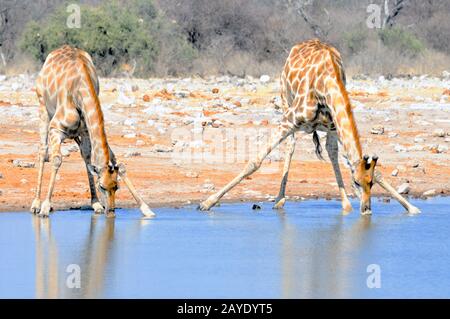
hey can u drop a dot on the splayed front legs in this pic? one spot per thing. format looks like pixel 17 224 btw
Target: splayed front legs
pixel 146 211
pixel 252 166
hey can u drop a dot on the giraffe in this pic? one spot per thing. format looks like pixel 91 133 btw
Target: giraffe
pixel 315 99
pixel 69 108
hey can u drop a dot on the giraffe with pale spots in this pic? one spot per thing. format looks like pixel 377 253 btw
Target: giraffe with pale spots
pixel 69 108
pixel 315 99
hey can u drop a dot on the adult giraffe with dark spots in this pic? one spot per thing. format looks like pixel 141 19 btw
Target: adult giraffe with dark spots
pixel 67 88
pixel 315 99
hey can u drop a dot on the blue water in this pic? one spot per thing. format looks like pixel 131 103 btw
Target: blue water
pixel 307 250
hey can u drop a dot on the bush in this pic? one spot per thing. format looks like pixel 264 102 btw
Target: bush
pixel 401 40
pixel 114 34
pixel 356 41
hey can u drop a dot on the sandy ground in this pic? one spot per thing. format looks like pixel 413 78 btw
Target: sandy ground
pixel 183 139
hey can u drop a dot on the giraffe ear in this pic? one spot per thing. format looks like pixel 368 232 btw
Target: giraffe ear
pixel 92 169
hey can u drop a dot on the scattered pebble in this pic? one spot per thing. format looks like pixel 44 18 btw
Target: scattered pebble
pixel 399 148
pixel 394 172
pixel 439 133
pixel 208 187
pixel 377 129
pixel 264 79
pixel 430 192
pixel 192 174
pixel 256 207
pixel 162 148
pixel 130 135
pixel 392 134
pixel 419 140
pixel 404 188
pixel 23 164
pixel 132 154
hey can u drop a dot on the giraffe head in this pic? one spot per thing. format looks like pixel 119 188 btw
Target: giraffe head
pixel 106 185
pixel 363 180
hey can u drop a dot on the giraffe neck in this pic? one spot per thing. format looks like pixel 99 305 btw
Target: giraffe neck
pixel 345 122
pixel 93 115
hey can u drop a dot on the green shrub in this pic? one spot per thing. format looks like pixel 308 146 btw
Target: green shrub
pixel 401 40
pixel 113 33
pixel 356 41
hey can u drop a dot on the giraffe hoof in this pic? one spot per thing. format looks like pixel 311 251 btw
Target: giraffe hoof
pixel 204 206
pixel 413 210
pixel 35 206
pixel 46 208
pixel 98 208
pixel 279 203
pixel 110 214
pixel 366 212
pixel 146 211
pixel 346 208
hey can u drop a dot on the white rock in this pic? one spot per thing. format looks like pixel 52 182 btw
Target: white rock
pixel 132 154
pixel 192 174
pixel 394 172
pixel 130 135
pixel 264 79
pixel 442 148
pixel 439 132
pixel 162 148
pixel 208 187
pixel 404 188
pixel 377 129
pixel 399 148
pixel 392 134
pixel 419 140
pixel 23 164
pixel 430 192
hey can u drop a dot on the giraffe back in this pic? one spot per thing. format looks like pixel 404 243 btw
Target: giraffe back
pixel 304 83
pixel 59 85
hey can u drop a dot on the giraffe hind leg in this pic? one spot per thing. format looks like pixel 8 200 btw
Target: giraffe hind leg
pixel 281 198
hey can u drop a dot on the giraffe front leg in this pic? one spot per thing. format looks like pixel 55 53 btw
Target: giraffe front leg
pixel 145 209
pixel 43 147
pixel 333 153
pixel 281 198
pixel 56 161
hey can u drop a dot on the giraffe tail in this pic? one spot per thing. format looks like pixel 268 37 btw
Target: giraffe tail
pixel 316 141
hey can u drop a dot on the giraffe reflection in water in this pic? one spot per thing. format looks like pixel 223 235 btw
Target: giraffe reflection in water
pixel 318 262
pixel 95 259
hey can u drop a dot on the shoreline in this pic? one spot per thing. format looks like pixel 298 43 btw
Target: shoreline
pixel 182 204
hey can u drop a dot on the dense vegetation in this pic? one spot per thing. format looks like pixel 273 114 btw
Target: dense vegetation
pixel 178 37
